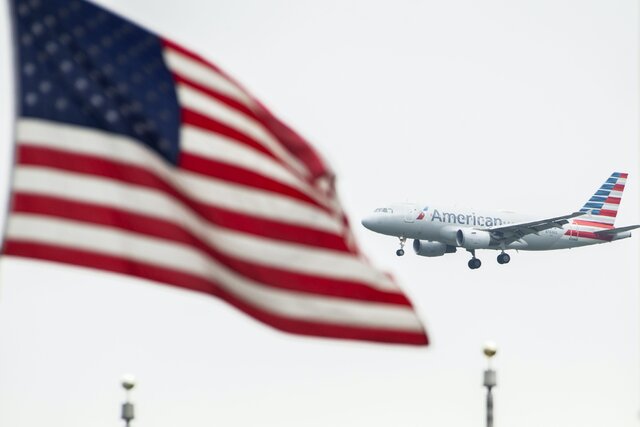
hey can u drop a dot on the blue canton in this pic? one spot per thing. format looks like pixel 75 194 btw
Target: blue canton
pixel 82 65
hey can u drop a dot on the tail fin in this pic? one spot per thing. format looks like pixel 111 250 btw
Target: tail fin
pixel 602 207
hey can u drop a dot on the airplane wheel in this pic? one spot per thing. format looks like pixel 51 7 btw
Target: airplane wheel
pixel 474 263
pixel 400 252
pixel 503 258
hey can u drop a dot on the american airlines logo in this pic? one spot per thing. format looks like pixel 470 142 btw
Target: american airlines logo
pixel 466 219
pixel 423 213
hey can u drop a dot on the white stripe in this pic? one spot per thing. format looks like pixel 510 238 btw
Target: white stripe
pixel 617 194
pixel 600 218
pixel 622 181
pixel 207 190
pixel 217 147
pixel 206 76
pixel 210 107
pixel 610 207
pixel 182 258
pixel 257 250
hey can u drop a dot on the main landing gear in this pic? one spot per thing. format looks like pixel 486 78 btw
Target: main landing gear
pixel 504 258
pixel 400 251
pixel 474 263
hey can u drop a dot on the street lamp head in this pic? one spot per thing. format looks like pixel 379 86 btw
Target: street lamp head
pixel 128 381
pixel 490 349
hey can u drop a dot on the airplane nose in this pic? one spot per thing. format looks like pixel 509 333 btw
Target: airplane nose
pixel 369 222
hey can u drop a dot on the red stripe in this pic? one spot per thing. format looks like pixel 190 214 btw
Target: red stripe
pixel 624 175
pixel 230 173
pixel 592 223
pixel 201 121
pixel 613 200
pixel 289 139
pixel 130 174
pixel 606 212
pixel 587 235
pixel 227 100
pixel 618 187
pixel 195 283
pixel 167 230
pixel 189 54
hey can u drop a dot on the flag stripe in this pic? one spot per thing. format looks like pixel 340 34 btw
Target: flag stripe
pixel 96 191
pixel 236 124
pixel 152 251
pixel 189 281
pixel 216 147
pixel 147 225
pixel 127 153
pixel 143 180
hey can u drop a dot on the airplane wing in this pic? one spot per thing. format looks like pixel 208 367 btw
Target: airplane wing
pixel 512 232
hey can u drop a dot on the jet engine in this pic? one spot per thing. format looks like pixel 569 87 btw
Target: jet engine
pixel 470 238
pixel 432 249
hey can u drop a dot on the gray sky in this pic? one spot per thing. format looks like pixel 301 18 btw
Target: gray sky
pixel 525 105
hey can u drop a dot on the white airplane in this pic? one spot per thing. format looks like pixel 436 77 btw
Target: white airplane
pixel 440 230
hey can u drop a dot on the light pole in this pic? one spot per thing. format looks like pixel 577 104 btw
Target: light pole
pixel 489 350
pixel 128 382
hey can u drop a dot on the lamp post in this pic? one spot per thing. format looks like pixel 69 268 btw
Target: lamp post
pixel 489 350
pixel 128 382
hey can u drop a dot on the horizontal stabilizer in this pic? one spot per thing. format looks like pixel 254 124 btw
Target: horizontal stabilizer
pixel 614 231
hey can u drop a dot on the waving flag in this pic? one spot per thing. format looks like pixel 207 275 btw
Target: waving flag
pixel 137 156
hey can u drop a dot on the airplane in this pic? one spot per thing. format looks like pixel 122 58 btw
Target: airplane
pixel 438 230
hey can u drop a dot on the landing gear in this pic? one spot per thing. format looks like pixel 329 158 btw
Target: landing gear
pixel 474 263
pixel 504 258
pixel 400 251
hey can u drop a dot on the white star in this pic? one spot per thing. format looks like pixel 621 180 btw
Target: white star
pixel 26 40
pixel 78 31
pixel 164 144
pixel 61 104
pixel 45 86
pixel 94 50
pixel 37 28
pixel 111 116
pixel 51 47
pixel 23 10
pixel 81 84
pixel 66 66
pixel 29 69
pixel 31 98
pixel 49 20
pixel 97 100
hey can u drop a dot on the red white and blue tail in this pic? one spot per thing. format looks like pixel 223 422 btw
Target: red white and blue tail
pixel 602 207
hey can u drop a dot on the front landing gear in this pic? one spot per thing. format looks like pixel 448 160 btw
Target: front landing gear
pixel 474 263
pixel 400 251
pixel 504 258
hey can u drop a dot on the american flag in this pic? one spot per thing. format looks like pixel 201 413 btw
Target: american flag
pixel 136 156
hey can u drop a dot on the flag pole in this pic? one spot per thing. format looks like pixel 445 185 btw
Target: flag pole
pixel 489 350
pixel 128 382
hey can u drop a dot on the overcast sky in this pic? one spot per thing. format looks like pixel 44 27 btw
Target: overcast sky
pixel 524 105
